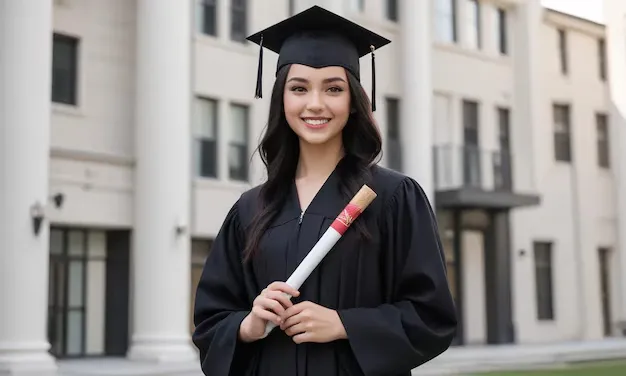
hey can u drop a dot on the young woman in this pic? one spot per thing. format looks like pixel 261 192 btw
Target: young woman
pixel 379 303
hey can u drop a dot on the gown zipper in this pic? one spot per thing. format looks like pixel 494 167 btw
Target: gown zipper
pixel 301 215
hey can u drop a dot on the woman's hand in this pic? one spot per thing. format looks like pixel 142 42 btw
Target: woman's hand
pixel 310 322
pixel 270 305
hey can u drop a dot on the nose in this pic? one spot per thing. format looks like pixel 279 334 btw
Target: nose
pixel 315 103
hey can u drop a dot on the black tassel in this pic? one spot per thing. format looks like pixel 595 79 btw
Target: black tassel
pixel 373 80
pixel 259 75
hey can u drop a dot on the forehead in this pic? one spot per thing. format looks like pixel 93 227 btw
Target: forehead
pixel 314 74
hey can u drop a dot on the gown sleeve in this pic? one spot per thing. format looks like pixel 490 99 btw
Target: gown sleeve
pixel 221 304
pixel 420 320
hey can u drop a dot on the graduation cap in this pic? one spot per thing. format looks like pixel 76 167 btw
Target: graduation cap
pixel 318 38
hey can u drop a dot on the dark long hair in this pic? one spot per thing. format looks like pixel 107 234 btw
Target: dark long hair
pixel 279 150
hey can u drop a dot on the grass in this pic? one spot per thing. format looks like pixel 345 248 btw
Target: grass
pixel 583 369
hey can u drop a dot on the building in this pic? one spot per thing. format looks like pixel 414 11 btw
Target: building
pixel 123 172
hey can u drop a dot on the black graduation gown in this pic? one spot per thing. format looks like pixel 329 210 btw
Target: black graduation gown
pixel 390 292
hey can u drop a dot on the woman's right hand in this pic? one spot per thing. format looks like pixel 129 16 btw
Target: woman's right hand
pixel 268 306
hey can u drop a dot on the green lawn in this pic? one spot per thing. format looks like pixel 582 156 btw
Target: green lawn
pixel 596 369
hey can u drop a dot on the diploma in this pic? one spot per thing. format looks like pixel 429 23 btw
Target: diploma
pixel 340 225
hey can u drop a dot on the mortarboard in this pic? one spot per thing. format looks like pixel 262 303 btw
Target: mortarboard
pixel 318 38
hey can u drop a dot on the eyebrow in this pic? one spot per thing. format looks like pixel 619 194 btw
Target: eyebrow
pixel 327 80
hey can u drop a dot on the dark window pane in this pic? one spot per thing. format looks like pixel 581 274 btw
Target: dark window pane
pixel 64 69
pixel 209 17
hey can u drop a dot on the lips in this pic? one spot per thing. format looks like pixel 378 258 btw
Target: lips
pixel 316 122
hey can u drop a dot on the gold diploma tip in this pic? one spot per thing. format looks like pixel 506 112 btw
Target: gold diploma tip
pixel 363 197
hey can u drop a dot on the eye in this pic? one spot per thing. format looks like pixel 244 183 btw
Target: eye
pixel 335 89
pixel 298 89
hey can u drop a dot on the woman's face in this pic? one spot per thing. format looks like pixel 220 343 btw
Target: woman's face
pixel 317 102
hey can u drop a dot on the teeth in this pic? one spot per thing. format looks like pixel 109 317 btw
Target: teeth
pixel 316 122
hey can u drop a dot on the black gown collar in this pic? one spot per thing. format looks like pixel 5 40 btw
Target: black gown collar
pixel 328 202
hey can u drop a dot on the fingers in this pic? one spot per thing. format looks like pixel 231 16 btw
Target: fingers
pixel 283 287
pixel 289 321
pixel 296 309
pixel 281 297
pixel 296 329
pixel 268 303
pixel 302 337
pixel 274 301
pixel 279 301
pixel 264 314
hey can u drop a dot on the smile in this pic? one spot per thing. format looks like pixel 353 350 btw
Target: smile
pixel 316 123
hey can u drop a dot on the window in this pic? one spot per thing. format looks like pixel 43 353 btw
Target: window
pixel 76 292
pixel 603 140
pixel 445 21
pixel 503 174
pixel 563 50
pixel 392 10
pixel 562 143
pixel 394 147
pixel 471 151
pixel 357 5
pixel 604 255
pixel 205 137
pixel 200 250
pixel 64 69
pixel 238 143
pixel 239 20
pixel 207 17
pixel 501 30
pixel 292 7
pixel 543 280
pixel 472 22
pixel 602 59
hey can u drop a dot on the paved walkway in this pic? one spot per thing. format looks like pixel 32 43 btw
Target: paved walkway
pixel 468 360
pixel 455 361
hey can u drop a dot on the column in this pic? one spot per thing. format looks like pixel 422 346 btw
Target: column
pixel 415 105
pixel 498 287
pixel 615 18
pixel 161 253
pixel 25 76
pixel 527 23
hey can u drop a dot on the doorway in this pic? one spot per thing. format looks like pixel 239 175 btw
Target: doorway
pixel 605 291
pixel 88 292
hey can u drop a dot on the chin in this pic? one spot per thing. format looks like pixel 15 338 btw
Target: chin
pixel 316 139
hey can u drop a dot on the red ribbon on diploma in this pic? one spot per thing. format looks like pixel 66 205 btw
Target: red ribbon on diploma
pixel 345 218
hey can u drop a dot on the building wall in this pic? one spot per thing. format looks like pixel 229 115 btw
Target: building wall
pixel 93 143
pixel 577 212
pixel 615 18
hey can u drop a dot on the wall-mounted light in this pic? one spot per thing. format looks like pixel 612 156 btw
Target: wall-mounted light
pixel 58 200
pixel 180 228
pixel 37 215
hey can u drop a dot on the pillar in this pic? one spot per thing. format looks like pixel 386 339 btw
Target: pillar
pixel 527 103
pixel 498 284
pixel 615 18
pixel 25 76
pixel 416 100
pixel 161 244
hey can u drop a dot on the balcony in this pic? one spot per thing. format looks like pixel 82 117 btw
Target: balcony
pixel 467 177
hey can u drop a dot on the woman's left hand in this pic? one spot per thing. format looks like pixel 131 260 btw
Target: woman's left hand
pixel 310 322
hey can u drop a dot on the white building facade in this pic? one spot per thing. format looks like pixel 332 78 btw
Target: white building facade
pixel 126 135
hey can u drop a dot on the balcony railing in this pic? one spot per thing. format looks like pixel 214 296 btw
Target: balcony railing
pixel 464 166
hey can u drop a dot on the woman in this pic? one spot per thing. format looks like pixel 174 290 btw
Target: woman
pixel 379 303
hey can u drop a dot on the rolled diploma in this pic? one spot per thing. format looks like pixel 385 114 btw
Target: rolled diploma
pixel 355 207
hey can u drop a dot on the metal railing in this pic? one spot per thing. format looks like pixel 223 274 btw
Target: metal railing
pixel 467 166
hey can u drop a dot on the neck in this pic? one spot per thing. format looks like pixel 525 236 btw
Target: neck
pixel 319 161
